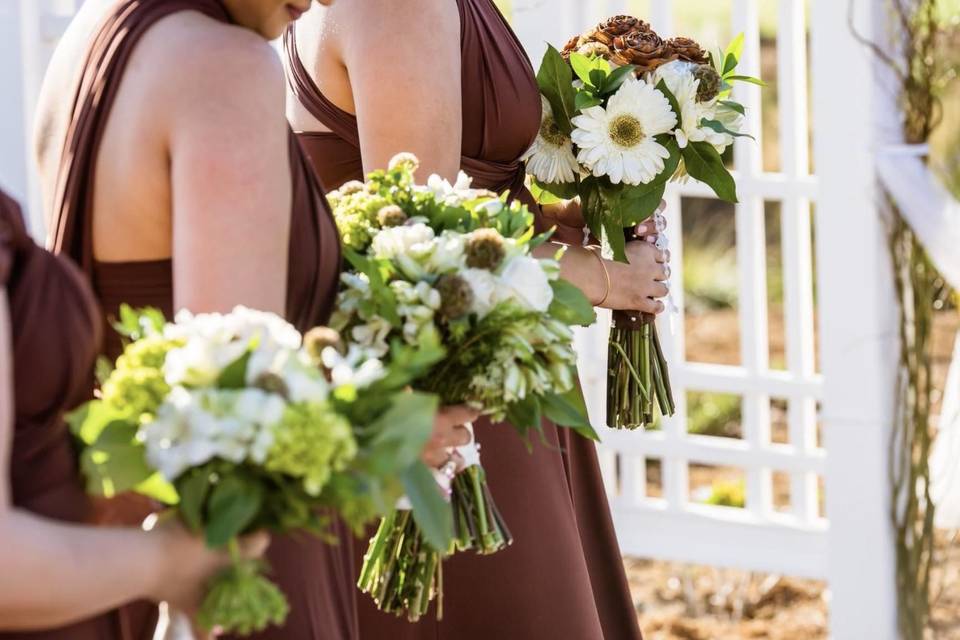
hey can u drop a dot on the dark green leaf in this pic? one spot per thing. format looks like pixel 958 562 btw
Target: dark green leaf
pixel 729 64
pixel 735 48
pixel 616 79
pixel 672 99
pixel 431 511
pixel 562 191
pixel 403 430
pixel 234 375
pixel 704 164
pixel 114 468
pixel 615 238
pixel 234 503
pixel 524 415
pixel 570 410
pixel 640 202
pixel 570 306
pixel 585 100
pixel 591 203
pixel 735 106
pixel 193 487
pixel 598 77
pixel 719 127
pixel 555 80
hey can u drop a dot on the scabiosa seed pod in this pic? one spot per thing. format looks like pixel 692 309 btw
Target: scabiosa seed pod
pixel 318 339
pixel 456 296
pixel 484 250
pixel 688 49
pixel 404 160
pixel 272 383
pixel 710 82
pixel 391 216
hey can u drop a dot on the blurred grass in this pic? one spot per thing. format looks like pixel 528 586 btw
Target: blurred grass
pixel 714 414
pixel 728 494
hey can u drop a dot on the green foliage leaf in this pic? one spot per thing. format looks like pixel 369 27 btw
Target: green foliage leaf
pixel 672 99
pixel 733 54
pixel 401 432
pixel 570 306
pixel 234 375
pixel 705 164
pixel 234 503
pixel 555 80
pixel 134 324
pixel 641 201
pixel 194 487
pixel 585 100
pixel 734 106
pixel 432 513
pixel 719 127
pixel 570 410
pixel 615 80
pixel 157 488
pixel 115 462
pixel 524 415
pixel 582 66
pixel 750 79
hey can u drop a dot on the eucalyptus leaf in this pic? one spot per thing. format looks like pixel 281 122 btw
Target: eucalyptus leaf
pixel 234 504
pixel 431 511
pixel 570 305
pixel 705 164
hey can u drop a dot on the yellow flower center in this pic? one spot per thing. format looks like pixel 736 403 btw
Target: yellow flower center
pixel 551 133
pixel 626 131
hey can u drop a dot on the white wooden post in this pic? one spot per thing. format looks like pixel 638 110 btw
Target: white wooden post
pixel 858 324
pixel 13 115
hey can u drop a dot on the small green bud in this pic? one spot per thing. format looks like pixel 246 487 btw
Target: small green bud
pixel 404 160
pixel 456 296
pixel 484 249
pixel 391 216
pixel 710 82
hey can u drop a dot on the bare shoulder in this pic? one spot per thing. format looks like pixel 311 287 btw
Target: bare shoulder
pixel 191 61
pixel 391 27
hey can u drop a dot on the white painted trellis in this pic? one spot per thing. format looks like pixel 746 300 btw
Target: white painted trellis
pixel 856 310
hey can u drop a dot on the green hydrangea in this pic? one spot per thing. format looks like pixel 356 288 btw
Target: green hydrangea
pixel 311 442
pixel 137 386
pixel 242 601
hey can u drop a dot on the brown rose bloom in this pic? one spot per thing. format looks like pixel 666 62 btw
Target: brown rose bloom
pixel 618 26
pixel 570 47
pixel 646 50
pixel 689 50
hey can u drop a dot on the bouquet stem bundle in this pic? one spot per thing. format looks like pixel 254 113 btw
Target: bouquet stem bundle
pixel 637 373
pixel 477 522
pixel 401 571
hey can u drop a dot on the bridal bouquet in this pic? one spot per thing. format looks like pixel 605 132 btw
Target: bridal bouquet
pixel 624 112
pixel 449 268
pixel 243 425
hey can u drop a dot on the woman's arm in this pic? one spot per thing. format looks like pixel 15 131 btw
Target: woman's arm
pixel 403 61
pixel 55 574
pixel 230 173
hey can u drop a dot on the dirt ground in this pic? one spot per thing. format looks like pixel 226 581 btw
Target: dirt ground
pixel 688 602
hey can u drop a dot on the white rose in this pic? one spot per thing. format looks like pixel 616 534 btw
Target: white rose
pixel 447 253
pixel 484 286
pixel 451 194
pixel 523 279
pixel 405 240
pixel 195 364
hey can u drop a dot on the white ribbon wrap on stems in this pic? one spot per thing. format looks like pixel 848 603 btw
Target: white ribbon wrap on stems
pixel 470 453
pixel 934 215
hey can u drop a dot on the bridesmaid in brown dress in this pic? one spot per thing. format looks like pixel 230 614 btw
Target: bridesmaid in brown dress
pixel 57 573
pixel 186 229
pixel 563 577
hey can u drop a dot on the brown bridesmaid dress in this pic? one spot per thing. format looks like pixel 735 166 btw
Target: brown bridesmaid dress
pixel 563 576
pixel 317 578
pixel 55 331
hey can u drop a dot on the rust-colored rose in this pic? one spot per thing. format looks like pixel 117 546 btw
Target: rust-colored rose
pixel 607 32
pixel 570 47
pixel 689 50
pixel 645 50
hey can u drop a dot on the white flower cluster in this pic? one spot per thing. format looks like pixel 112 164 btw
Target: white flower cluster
pixel 199 421
pixel 618 140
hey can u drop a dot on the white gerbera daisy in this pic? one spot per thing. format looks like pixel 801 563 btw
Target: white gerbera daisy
pixel 619 141
pixel 550 159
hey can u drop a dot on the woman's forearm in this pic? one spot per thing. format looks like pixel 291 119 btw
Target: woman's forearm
pixel 55 574
pixel 580 266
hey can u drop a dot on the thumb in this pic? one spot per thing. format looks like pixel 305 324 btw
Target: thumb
pixel 254 545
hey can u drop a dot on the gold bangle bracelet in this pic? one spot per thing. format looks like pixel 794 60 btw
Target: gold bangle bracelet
pixel 606 274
